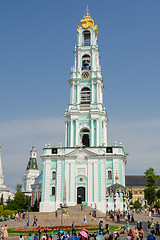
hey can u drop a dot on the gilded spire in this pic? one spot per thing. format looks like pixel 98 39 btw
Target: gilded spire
pixel 87 22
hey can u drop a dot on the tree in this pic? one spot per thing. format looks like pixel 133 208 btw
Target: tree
pixel 137 204
pixel 2 200
pixel 151 177
pixel 20 201
pixel 158 193
pixel 150 191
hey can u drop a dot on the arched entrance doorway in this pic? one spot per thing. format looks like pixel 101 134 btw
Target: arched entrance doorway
pixel 80 195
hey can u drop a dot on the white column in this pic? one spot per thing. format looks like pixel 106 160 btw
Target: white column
pixel 97 133
pixel 67 179
pixel 95 182
pixel 89 182
pixel 97 93
pixel 59 181
pixel 66 133
pixel 92 89
pixel 92 133
pixel 77 135
pixel 104 133
pixel 47 187
pixel 78 93
pixel 72 186
pixel 71 132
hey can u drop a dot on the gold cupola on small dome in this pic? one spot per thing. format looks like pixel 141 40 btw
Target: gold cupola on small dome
pixel 87 22
pixel 116 177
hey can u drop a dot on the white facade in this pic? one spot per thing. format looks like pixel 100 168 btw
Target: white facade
pixel 31 172
pixel 86 166
pixel 5 191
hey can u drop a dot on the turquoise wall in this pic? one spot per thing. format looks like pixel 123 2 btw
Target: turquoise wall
pixel 92 182
pixel 94 132
pixel 62 180
pixel 69 187
pixel 75 93
pixel 74 133
pixel 43 179
pixel 99 181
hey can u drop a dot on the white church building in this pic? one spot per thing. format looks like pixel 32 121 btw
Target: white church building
pixel 5 191
pixel 31 172
pixel 86 170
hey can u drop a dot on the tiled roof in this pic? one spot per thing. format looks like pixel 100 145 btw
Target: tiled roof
pixel 138 180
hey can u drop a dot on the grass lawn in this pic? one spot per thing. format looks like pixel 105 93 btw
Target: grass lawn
pixel 112 228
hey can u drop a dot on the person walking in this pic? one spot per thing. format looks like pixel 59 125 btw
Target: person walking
pixel 136 233
pixel 5 232
pixel 28 221
pixel 30 237
pixel 73 228
pixel 157 228
pixel 39 233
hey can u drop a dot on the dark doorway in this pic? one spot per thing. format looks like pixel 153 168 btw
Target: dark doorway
pixel 80 195
pixel 85 140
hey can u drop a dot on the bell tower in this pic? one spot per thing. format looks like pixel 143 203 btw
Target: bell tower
pixel 86 118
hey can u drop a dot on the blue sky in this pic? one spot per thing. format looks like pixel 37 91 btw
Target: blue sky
pixel 36 53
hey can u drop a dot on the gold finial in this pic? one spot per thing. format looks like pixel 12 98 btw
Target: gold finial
pixel 33 142
pixel 87 22
pixel 116 177
pixel 87 11
pixel 0 146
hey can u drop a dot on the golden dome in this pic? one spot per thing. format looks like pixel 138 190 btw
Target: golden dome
pixel 87 22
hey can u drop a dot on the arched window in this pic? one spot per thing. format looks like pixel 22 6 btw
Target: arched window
pixel 86 63
pixel 85 95
pixel 109 174
pixel 85 137
pixel 86 38
pixel 53 191
pixel 54 175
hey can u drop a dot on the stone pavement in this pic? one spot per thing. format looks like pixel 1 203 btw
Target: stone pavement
pixel 49 219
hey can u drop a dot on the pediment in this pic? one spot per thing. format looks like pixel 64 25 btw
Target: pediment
pixel 81 153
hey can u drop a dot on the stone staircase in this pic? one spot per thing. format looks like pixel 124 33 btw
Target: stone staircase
pixel 73 214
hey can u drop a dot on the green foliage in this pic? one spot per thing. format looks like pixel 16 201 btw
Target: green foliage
pixel 20 201
pixel 1 209
pixel 150 195
pixel 137 204
pixel 158 204
pixel 35 208
pixel 150 192
pixel 151 177
pixel 8 212
pixel 158 193
pixel 1 200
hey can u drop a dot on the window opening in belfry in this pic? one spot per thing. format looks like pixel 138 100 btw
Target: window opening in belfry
pixel 85 137
pixel 86 64
pixel 85 95
pixel 86 38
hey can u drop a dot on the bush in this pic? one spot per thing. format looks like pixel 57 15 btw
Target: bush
pixel 137 204
pixel 158 204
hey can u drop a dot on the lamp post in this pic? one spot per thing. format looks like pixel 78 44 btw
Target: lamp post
pixel 62 207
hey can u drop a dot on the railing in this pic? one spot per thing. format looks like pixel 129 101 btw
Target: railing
pixel 85 107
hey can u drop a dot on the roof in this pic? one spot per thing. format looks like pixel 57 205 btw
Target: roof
pixel 38 180
pixel 138 180
pixel 116 187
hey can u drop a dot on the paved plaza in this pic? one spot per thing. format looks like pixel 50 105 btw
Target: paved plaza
pixel 49 219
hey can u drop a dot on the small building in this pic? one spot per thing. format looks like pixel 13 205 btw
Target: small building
pixel 31 172
pixel 36 190
pixel 137 184
pixel 5 191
